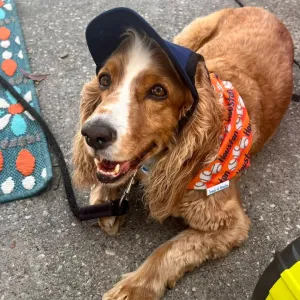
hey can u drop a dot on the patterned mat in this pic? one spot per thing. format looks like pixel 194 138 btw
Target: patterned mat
pixel 25 165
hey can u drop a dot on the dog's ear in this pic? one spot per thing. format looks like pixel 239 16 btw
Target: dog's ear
pixel 201 79
pixel 90 99
pixel 189 151
pixel 84 166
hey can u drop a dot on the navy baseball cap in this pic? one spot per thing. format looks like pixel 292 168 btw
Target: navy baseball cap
pixel 104 35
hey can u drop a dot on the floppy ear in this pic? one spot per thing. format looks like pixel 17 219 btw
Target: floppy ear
pixel 196 145
pixel 84 166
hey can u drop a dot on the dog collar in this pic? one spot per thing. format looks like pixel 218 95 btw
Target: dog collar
pixel 235 143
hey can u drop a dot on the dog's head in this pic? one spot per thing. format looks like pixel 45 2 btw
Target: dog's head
pixel 130 110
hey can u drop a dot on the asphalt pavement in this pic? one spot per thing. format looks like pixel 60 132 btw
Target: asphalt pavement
pixel 45 253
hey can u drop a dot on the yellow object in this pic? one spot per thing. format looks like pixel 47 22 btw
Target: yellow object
pixel 287 287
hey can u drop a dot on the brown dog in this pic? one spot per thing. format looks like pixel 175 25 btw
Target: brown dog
pixel 250 48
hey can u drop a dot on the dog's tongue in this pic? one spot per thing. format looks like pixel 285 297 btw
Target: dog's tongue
pixel 111 165
pixel 125 166
pixel 108 165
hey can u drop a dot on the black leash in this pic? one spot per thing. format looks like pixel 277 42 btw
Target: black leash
pixel 116 207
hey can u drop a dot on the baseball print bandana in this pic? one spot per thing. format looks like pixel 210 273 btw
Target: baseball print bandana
pixel 233 156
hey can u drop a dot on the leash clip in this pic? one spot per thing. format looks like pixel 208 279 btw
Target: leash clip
pixel 110 208
pixel 127 190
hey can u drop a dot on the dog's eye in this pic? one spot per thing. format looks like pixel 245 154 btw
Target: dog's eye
pixel 158 92
pixel 105 81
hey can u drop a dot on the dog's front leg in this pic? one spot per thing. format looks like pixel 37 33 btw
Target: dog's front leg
pixel 223 228
pixel 100 194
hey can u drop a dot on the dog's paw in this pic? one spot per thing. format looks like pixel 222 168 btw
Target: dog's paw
pixel 128 289
pixel 111 225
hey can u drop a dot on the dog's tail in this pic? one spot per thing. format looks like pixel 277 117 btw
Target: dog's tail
pixel 200 31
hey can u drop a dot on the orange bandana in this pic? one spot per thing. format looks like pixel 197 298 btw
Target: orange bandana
pixel 233 156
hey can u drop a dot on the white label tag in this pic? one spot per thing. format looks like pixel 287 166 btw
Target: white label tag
pixel 217 188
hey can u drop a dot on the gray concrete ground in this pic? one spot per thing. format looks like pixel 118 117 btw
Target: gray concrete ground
pixel 47 254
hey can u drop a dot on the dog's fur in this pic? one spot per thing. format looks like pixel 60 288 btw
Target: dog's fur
pixel 247 46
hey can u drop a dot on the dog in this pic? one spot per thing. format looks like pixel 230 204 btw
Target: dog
pixel 138 98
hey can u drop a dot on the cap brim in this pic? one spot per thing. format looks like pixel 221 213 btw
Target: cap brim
pixel 104 35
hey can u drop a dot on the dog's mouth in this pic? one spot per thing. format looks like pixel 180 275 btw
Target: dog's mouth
pixel 112 171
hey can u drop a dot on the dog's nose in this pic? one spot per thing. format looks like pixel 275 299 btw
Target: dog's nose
pixel 97 134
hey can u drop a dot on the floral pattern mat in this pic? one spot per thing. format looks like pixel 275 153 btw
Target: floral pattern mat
pixel 25 164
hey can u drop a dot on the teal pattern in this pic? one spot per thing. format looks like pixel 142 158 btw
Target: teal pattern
pixel 25 164
pixel 2 14
pixel 18 125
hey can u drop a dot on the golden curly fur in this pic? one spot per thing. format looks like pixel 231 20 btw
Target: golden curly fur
pixel 258 60
pixel 173 172
pixel 85 170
